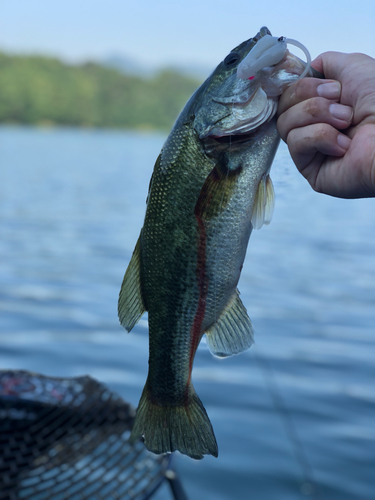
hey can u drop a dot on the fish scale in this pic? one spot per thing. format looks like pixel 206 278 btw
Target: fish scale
pixel 169 237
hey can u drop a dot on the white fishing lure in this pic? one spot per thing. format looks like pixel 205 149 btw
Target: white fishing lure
pixel 269 51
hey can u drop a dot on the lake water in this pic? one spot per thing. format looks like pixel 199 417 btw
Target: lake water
pixel 294 416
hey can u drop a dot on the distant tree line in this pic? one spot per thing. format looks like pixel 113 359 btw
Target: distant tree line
pixel 41 90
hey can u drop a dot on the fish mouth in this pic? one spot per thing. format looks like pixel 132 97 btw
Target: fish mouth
pixel 253 103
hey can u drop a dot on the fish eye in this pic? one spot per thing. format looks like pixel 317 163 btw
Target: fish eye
pixel 231 59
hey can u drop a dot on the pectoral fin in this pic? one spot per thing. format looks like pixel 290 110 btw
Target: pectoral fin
pixel 130 303
pixel 264 203
pixel 232 333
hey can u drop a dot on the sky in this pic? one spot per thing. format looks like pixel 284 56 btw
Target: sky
pixel 165 32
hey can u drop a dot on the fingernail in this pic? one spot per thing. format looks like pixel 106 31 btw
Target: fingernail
pixel 329 90
pixel 343 141
pixel 341 112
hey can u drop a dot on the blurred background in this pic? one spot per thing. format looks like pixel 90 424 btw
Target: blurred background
pixel 88 92
pixel 122 64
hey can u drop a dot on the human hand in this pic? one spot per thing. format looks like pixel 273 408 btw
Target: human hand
pixel 329 125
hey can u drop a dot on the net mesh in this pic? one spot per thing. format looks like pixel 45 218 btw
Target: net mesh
pixel 68 439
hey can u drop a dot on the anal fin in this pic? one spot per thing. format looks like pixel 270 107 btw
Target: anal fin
pixel 232 333
pixel 130 303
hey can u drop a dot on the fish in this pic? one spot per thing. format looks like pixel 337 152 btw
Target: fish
pixel 209 188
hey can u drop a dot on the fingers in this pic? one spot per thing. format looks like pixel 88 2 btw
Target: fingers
pixel 351 175
pixel 307 88
pixel 339 66
pixel 312 115
pixel 309 145
pixel 310 120
pixel 312 111
pixel 318 150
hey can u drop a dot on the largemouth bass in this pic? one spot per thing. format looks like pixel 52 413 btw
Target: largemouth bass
pixel 209 189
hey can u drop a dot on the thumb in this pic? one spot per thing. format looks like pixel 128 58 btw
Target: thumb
pixel 331 64
pixel 355 72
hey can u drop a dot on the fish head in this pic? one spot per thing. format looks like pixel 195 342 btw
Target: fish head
pixel 230 104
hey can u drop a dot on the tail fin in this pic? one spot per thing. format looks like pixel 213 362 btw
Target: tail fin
pixel 166 429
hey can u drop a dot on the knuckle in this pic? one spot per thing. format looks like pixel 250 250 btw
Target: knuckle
pixel 305 88
pixel 292 137
pixel 323 132
pixel 299 89
pixel 313 107
pixel 281 127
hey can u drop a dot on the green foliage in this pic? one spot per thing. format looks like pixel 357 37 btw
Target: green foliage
pixel 37 90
